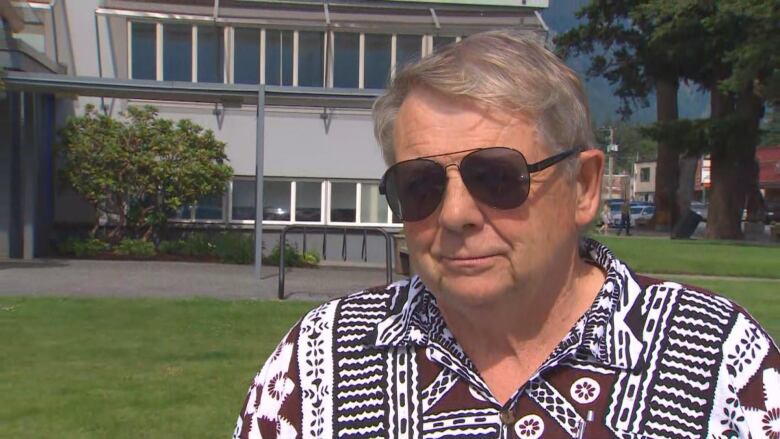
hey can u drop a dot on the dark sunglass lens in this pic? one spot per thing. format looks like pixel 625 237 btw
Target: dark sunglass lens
pixel 497 177
pixel 414 188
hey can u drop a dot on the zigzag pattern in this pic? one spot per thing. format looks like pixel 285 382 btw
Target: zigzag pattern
pixel 683 388
pixel 359 399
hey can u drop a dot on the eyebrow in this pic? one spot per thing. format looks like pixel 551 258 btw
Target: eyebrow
pixel 448 153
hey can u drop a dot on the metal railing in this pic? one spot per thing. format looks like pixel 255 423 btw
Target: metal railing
pixel 324 230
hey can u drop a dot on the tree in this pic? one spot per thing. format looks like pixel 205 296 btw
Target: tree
pixel 138 170
pixel 618 33
pixel 729 48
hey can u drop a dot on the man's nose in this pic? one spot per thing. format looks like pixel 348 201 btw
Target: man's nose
pixel 459 210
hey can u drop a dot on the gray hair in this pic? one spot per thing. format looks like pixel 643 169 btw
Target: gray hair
pixel 504 69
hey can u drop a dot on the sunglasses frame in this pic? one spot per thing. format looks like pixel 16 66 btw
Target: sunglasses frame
pixel 532 167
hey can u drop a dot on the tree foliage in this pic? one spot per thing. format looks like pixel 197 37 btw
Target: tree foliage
pixel 728 47
pixel 137 170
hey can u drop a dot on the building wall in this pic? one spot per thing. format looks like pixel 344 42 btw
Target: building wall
pixel 643 188
pixel 309 144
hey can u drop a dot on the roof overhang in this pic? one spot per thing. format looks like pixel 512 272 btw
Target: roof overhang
pixel 230 95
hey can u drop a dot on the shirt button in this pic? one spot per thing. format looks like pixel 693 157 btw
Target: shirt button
pixel 507 417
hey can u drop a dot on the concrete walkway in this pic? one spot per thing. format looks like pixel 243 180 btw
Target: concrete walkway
pixel 88 278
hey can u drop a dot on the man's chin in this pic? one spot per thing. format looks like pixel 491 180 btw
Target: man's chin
pixel 472 291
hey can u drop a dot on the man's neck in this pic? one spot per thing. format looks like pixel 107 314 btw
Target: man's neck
pixel 511 339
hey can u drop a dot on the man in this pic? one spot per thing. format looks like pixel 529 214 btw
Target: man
pixel 515 325
pixel 625 218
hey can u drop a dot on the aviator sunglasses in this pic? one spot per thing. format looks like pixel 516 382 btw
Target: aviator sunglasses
pixel 498 177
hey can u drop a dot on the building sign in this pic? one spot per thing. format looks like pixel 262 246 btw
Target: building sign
pixel 518 3
pixel 706 181
pixel 526 3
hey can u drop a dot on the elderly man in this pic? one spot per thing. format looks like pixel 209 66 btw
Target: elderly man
pixel 516 325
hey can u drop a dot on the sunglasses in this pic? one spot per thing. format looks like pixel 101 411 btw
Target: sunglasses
pixel 496 176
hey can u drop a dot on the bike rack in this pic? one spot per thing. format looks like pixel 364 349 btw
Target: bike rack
pixel 325 230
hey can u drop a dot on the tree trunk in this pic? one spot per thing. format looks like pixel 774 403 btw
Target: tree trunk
pixel 727 194
pixel 685 188
pixel 667 170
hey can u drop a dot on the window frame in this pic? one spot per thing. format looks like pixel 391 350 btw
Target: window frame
pixel 229 47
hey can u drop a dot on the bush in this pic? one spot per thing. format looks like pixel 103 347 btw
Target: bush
pixel 234 248
pixel 171 247
pixel 293 257
pixel 89 248
pixel 136 248
pixel 197 244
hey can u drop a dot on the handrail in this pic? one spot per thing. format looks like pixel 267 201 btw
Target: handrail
pixel 325 229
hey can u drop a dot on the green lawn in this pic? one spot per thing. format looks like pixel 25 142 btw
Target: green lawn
pixel 106 368
pixel 146 368
pixel 713 258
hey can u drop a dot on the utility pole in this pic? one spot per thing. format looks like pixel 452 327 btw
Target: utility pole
pixel 611 149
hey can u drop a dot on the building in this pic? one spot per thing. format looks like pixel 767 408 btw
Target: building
pixel 321 162
pixel 769 178
pixel 643 183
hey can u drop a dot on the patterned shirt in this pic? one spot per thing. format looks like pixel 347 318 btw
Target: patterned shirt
pixel 648 359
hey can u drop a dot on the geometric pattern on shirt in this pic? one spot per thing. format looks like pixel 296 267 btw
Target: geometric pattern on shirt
pixel 470 423
pixel 315 361
pixel 443 382
pixel 685 337
pixel 556 405
pixel 360 400
pixel 744 351
pixel 402 381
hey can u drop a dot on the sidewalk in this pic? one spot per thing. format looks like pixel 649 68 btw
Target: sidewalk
pixel 92 278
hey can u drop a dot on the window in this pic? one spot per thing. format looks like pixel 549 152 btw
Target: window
pixel 308 201
pixel 177 52
pixel 407 49
pixel 243 200
pixel 143 46
pixel 276 200
pixel 346 59
pixel 209 208
pixel 439 42
pixel 246 56
pixel 644 175
pixel 377 60
pixel 211 58
pixel 278 57
pixel 342 202
pixel 310 58
pixel 373 207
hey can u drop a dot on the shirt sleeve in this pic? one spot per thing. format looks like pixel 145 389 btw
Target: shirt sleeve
pixel 752 363
pixel 272 405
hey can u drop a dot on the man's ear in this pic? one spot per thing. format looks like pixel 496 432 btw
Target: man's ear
pixel 588 181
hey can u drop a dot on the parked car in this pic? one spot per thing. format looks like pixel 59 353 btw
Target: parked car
pixel 700 208
pixel 642 214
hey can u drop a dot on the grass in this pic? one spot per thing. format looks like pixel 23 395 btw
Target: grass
pixel 98 368
pixel 155 368
pixel 710 258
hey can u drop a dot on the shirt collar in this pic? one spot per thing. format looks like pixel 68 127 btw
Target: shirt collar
pixel 414 318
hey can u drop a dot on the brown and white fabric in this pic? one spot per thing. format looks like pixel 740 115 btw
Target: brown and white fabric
pixel 648 359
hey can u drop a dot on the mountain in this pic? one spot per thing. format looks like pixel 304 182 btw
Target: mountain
pixel 603 104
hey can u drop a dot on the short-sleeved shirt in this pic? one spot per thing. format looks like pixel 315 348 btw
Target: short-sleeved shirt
pixel 647 359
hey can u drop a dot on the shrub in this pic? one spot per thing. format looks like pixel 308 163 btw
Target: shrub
pixel 135 247
pixel 89 248
pixel 234 248
pixel 67 246
pixel 171 247
pixel 197 244
pixel 311 257
pixel 293 257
